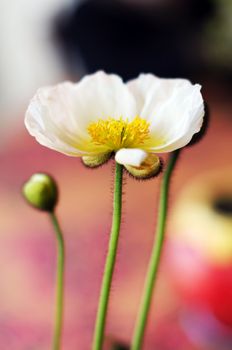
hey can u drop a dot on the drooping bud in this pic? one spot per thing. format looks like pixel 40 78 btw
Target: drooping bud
pixel 149 167
pixel 96 160
pixel 41 192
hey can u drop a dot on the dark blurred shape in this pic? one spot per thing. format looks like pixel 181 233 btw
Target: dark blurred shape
pixel 223 205
pixel 120 347
pixel 112 344
pixel 127 39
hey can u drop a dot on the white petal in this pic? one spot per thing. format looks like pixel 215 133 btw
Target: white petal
pixel 102 95
pixel 173 107
pixel 58 116
pixel 130 156
pixel 50 120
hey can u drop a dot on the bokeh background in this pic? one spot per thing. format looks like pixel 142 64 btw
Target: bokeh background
pixel 43 42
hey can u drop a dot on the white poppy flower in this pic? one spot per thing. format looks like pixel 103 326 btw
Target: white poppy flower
pixel 101 114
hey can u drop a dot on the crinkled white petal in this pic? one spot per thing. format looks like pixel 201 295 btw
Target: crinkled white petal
pixel 173 107
pixel 130 156
pixel 58 116
pixel 101 95
pixel 50 120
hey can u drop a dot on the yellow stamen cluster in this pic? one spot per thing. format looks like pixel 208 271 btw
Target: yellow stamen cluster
pixel 119 133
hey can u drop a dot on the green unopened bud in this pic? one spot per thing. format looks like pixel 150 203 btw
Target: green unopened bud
pixel 149 168
pixel 96 160
pixel 41 192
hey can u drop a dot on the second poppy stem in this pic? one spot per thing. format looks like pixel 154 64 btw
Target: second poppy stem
pixel 138 336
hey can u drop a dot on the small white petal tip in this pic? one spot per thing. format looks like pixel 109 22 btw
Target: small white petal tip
pixel 133 156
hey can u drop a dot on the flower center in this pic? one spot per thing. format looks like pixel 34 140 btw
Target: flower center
pixel 119 133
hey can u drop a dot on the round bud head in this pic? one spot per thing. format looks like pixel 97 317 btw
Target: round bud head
pixel 96 160
pixel 41 192
pixel 150 167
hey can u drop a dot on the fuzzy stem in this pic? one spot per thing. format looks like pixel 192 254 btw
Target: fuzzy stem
pixel 110 261
pixel 141 322
pixel 59 284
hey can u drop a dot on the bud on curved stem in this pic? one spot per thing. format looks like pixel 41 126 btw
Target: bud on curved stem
pixel 41 192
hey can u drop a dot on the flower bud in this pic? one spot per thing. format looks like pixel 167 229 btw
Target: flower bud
pixel 149 167
pixel 41 192
pixel 96 160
